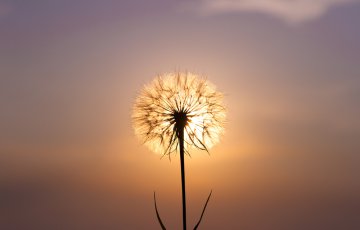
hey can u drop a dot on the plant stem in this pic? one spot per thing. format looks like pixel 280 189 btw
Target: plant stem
pixel 182 163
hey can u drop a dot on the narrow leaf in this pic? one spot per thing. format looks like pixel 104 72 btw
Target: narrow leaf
pixel 157 215
pixel 202 214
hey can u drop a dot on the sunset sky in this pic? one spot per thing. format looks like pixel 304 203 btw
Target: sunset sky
pixel 70 71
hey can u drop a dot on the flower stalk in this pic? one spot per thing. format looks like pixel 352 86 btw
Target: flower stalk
pixel 182 166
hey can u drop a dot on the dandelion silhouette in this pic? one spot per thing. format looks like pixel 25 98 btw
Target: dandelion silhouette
pixel 177 112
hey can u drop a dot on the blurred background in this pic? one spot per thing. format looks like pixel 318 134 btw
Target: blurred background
pixel 70 71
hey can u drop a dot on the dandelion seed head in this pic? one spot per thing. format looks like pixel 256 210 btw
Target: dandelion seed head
pixel 179 100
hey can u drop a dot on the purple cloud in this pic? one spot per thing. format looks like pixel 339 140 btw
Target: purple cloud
pixel 292 12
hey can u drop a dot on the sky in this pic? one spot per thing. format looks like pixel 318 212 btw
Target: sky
pixel 70 71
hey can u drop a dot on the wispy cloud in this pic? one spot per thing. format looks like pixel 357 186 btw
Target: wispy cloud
pixel 291 11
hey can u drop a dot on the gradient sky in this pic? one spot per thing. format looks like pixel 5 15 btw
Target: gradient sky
pixel 70 71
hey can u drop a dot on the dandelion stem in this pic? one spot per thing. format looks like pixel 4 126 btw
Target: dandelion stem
pixel 182 163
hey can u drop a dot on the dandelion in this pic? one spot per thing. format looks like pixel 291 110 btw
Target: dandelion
pixel 177 112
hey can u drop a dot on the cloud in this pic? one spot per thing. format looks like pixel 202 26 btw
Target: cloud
pixel 291 11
